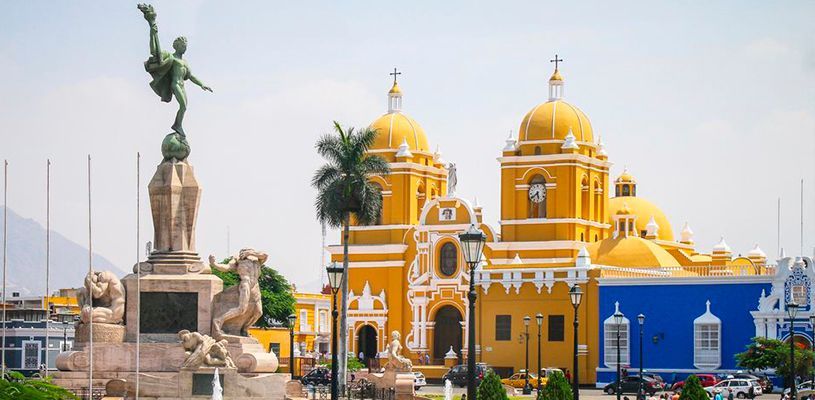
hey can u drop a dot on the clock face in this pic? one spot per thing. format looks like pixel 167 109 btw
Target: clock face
pixel 537 193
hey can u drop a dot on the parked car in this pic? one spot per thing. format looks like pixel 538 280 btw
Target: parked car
pixel 457 375
pixel 801 386
pixel 741 388
pixel 518 380
pixel 705 379
pixel 656 377
pixel 631 384
pixel 317 376
pixel 763 380
pixel 418 380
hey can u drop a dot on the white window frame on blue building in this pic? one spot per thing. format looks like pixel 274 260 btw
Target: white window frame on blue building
pixel 707 341
pixel 610 341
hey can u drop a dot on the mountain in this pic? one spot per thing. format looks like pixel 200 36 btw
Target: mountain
pixel 26 258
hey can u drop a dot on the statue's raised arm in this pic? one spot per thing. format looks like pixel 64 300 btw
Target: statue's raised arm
pixel 168 72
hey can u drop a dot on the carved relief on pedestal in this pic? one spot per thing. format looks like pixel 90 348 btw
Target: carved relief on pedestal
pixel 204 351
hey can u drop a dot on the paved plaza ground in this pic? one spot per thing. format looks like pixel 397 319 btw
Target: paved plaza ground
pixel 585 393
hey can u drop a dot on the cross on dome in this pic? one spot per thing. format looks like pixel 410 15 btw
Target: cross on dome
pixel 556 61
pixel 395 73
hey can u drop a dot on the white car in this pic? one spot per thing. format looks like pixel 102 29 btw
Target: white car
pixel 801 386
pixel 418 380
pixel 741 388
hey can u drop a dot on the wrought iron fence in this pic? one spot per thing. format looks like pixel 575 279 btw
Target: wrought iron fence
pixel 362 390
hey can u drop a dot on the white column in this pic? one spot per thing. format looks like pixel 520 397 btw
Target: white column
pixel 423 326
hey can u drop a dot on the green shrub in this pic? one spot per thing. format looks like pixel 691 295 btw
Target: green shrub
pixel 491 388
pixel 693 390
pixel 556 388
pixel 17 386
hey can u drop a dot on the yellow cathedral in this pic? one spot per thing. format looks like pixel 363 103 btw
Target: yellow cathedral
pixel 562 223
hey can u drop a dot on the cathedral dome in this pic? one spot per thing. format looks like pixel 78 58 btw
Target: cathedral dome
pixel 396 127
pixel 554 120
pixel 630 251
pixel 644 210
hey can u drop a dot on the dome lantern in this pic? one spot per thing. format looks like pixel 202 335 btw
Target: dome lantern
pixel 625 185
pixel 395 94
pixel 556 82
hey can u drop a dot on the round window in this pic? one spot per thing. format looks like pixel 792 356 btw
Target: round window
pixel 448 259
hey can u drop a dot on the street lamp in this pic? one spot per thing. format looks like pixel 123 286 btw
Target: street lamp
pixel 334 280
pixel 792 311
pixel 575 295
pixel 641 320
pixel 618 321
pixel 527 390
pixel 291 319
pixel 539 320
pixel 472 241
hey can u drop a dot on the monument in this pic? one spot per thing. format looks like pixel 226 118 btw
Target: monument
pixel 190 331
pixel 398 371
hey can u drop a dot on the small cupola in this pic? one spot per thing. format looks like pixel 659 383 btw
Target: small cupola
pixel 625 185
pixel 556 82
pixel 625 223
pixel 395 94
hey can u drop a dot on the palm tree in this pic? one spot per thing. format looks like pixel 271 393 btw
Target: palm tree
pixel 344 188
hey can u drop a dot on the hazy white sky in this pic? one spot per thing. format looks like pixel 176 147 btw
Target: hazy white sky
pixel 710 105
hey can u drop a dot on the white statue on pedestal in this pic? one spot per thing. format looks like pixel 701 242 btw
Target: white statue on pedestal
pixel 204 351
pixel 238 307
pixel 108 296
pixel 395 360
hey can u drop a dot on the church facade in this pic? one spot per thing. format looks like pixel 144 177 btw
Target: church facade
pixel 562 222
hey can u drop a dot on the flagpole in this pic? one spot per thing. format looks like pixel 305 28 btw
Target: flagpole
pixel 47 261
pixel 5 241
pixel 90 295
pixel 138 278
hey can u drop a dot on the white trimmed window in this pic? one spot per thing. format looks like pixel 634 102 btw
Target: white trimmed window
pixel 304 321
pixel 799 294
pixel 610 329
pixel 707 340
pixel 324 321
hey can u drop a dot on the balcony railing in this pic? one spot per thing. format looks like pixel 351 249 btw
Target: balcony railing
pixel 607 271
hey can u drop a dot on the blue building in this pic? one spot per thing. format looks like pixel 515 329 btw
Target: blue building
pixel 25 333
pixel 697 324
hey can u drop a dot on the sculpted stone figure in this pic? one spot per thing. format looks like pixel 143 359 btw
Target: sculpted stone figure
pixel 395 359
pixel 202 350
pixel 238 307
pixel 452 179
pixel 108 295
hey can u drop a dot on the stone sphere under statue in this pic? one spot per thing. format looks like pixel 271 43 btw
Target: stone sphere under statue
pixel 175 146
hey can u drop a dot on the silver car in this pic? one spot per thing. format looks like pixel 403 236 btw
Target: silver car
pixel 418 380
pixel 741 388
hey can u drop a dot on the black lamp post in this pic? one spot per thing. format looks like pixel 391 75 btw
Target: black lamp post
pixel 618 321
pixel 527 389
pixel 641 320
pixel 292 319
pixel 792 311
pixel 575 296
pixel 335 280
pixel 472 241
pixel 539 320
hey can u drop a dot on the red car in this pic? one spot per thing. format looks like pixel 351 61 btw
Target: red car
pixel 705 379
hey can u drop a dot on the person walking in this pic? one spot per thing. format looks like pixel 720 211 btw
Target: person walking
pixel 718 396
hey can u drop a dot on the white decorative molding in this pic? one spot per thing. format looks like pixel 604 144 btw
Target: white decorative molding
pixel 535 221
pixel 376 264
pixel 369 249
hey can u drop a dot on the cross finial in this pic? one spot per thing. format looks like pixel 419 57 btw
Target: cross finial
pixel 395 73
pixel 556 61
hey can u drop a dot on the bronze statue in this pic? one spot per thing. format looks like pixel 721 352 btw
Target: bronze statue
pixel 169 70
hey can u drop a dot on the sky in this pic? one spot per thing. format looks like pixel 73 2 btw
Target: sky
pixel 710 106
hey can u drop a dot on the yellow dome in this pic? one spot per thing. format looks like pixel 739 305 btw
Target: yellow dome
pixel 395 127
pixel 395 89
pixel 644 210
pixel 553 120
pixel 630 252
pixel 626 177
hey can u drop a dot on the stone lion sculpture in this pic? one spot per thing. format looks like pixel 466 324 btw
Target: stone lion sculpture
pixel 102 299
pixel 235 309
pixel 202 350
pixel 395 360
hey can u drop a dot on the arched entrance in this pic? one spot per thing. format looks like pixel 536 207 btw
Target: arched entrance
pixel 446 333
pixel 366 343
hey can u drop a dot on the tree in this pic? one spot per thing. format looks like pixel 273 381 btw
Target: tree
pixel 344 188
pixel 556 388
pixel 491 388
pixel 17 386
pixel 765 353
pixel 275 294
pixel 693 390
